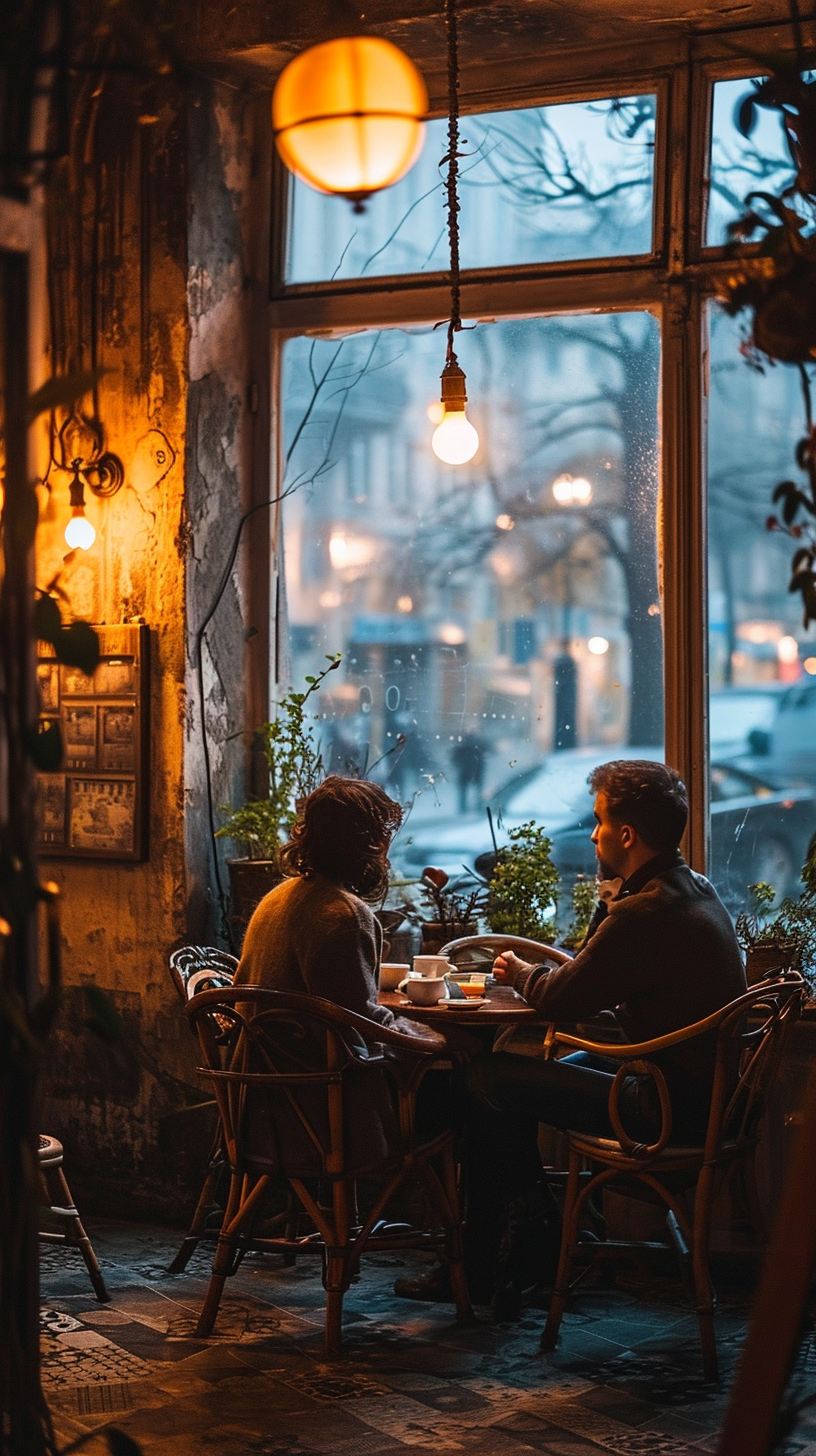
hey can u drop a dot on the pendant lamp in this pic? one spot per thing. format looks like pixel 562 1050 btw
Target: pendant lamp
pixel 454 440
pixel 349 116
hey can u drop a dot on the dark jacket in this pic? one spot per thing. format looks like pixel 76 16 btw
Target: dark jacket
pixel 662 956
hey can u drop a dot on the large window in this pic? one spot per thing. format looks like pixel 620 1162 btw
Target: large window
pixel 491 617
pixel 499 637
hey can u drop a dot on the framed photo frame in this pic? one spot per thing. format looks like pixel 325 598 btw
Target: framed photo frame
pixel 96 806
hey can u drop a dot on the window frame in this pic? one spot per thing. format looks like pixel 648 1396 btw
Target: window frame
pixel 674 281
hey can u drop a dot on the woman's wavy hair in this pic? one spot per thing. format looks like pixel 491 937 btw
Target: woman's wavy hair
pixel 343 830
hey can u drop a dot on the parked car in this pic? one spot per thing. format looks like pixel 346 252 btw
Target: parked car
pixel 792 745
pixel 740 719
pixel 759 831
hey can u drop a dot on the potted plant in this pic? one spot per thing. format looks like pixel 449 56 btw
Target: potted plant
pixel 775 940
pixel 453 912
pixel 584 897
pixel 261 826
pixel 523 890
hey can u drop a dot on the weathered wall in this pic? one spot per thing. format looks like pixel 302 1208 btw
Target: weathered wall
pixel 120 230
pixel 227 465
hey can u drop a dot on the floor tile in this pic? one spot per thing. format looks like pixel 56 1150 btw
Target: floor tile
pixel 625 1378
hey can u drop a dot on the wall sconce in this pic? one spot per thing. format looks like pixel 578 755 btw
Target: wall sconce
pixel 83 455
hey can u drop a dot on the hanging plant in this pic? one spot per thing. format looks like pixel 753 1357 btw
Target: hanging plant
pixel 776 285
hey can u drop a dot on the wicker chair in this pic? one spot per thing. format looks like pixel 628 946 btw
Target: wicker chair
pixel 751 1034
pixel 290 1074
pixel 196 968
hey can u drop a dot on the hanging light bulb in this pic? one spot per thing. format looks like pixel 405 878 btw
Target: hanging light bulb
pixel 79 533
pixel 454 441
pixel 349 116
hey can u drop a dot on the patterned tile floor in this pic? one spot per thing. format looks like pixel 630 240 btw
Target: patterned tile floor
pixel 626 1377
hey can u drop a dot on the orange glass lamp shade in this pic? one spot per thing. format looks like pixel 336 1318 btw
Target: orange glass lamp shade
pixel 348 116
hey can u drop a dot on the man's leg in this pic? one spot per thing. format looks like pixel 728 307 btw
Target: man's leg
pixel 509 1097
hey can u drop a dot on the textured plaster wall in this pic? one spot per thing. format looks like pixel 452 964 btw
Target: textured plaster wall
pixel 174 301
pixel 227 467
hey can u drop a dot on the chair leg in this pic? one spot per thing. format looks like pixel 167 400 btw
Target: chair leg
pixel 215 1168
pixel 757 1216
pixel 337 1271
pixel 703 1289
pixel 221 1262
pixel 569 1238
pixel 79 1239
pixel 449 1208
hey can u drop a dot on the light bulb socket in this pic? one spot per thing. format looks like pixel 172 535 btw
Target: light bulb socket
pixel 77 491
pixel 454 396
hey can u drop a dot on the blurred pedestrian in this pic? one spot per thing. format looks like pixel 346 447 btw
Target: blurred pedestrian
pixel 468 759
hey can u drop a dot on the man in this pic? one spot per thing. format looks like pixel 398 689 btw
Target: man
pixel 660 951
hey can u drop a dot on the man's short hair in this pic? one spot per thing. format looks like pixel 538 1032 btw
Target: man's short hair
pixel 649 796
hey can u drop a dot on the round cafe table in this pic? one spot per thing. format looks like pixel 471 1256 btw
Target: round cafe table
pixel 502 1007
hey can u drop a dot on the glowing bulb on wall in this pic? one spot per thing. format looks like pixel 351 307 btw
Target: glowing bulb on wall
pixel 598 646
pixel 454 441
pixel 79 533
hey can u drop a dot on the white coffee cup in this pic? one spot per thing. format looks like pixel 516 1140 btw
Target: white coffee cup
pixel 432 965
pixel 391 974
pixel 424 990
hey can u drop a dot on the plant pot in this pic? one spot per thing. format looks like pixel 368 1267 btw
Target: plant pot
pixel 434 935
pixel 250 880
pixel 765 960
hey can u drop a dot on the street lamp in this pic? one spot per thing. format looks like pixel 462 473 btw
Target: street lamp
pixel 570 490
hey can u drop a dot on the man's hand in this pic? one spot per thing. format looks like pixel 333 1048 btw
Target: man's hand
pixel 507 965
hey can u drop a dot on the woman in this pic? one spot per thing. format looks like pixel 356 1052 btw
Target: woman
pixel 315 933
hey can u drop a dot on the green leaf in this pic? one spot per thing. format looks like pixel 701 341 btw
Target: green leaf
pixel 62 389
pixel 47 619
pixel 43 744
pixel 78 646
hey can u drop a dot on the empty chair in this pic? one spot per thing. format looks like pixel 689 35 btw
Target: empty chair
pixel 196 968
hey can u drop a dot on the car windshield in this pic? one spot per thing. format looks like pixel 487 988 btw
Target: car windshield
pixel 556 794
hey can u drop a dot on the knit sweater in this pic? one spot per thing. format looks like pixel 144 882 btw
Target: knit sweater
pixel 312 937
pixel 663 955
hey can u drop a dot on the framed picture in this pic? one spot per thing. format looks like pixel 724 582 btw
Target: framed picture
pixel 79 735
pixel 52 809
pixel 96 806
pixel 48 682
pixel 102 815
pixel 117 737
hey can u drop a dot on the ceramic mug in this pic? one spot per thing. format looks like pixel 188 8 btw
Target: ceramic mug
pixel 424 990
pixel 432 965
pixel 391 974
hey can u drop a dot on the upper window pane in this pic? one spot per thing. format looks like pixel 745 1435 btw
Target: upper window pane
pixel 541 185
pixel 739 164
